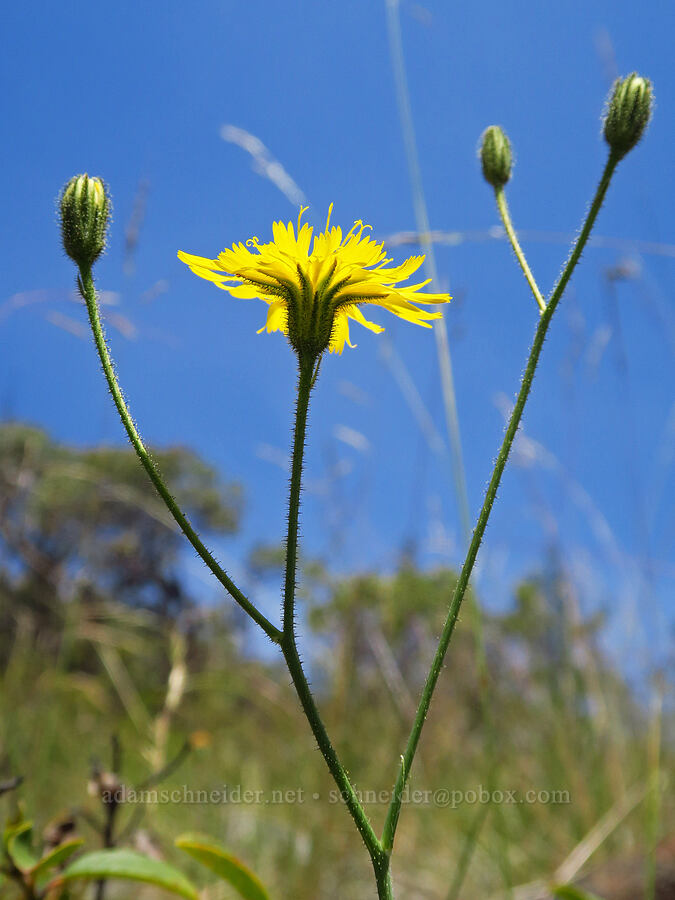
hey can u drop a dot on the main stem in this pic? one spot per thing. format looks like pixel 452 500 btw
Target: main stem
pixel 380 860
pixel 89 294
pixel 305 379
pixel 463 580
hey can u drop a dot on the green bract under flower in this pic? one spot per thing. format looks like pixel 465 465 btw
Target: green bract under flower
pixel 313 293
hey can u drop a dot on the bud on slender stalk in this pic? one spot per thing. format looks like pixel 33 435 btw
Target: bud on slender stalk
pixel 495 156
pixel 628 112
pixel 85 208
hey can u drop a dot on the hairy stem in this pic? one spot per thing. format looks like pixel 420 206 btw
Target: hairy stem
pixel 463 580
pixel 503 208
pixel 383 879
pixel 306 379
pixel 86 283
pixel 289 643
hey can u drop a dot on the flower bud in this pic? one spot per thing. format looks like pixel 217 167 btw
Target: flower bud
pixel 495 156
pixel 628 112
pixel 85 207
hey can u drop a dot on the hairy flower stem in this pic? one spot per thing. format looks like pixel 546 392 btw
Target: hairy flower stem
pixel 306 378
pixel 503 208
pixel 463 580
pixel 86 284
pixel 308 368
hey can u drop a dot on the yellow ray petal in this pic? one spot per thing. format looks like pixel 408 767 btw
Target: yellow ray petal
pixel 216 277
pixel 201 261
pixel 399 273
pixel 243 291
pixel 340 334
pixel 277 318
pixel 355 313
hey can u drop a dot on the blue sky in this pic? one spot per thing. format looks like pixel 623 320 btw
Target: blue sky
pixel 140 92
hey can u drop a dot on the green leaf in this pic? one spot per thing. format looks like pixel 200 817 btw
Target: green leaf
pixel 56 856
pixel 131 866
pixel 226 866
pixel 570 892
pixel 13 828
pixel 18 843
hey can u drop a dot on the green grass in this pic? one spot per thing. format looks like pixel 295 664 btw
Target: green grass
pixel 566 720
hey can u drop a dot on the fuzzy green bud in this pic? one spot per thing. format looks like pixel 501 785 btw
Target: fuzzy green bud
pixel 85 208
pixel 495 156
pixel 628 112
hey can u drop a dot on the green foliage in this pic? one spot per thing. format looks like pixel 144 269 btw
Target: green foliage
pixel 567 720
pixel 24 864
pixel 85 526
pixel 580 732
pixel 130 866
pixel 34 877
pixel 226 866
pixel 570 892
pixel 18 846
pixel 56 857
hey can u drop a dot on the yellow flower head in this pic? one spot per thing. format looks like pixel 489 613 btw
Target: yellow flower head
pixel 313 295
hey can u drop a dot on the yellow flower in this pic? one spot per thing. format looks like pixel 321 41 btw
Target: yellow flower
pixel 313 295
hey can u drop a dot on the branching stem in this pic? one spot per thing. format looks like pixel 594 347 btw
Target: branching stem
pixel 463 580
pixel 503 208
pixel 86 283
pixel 380 851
